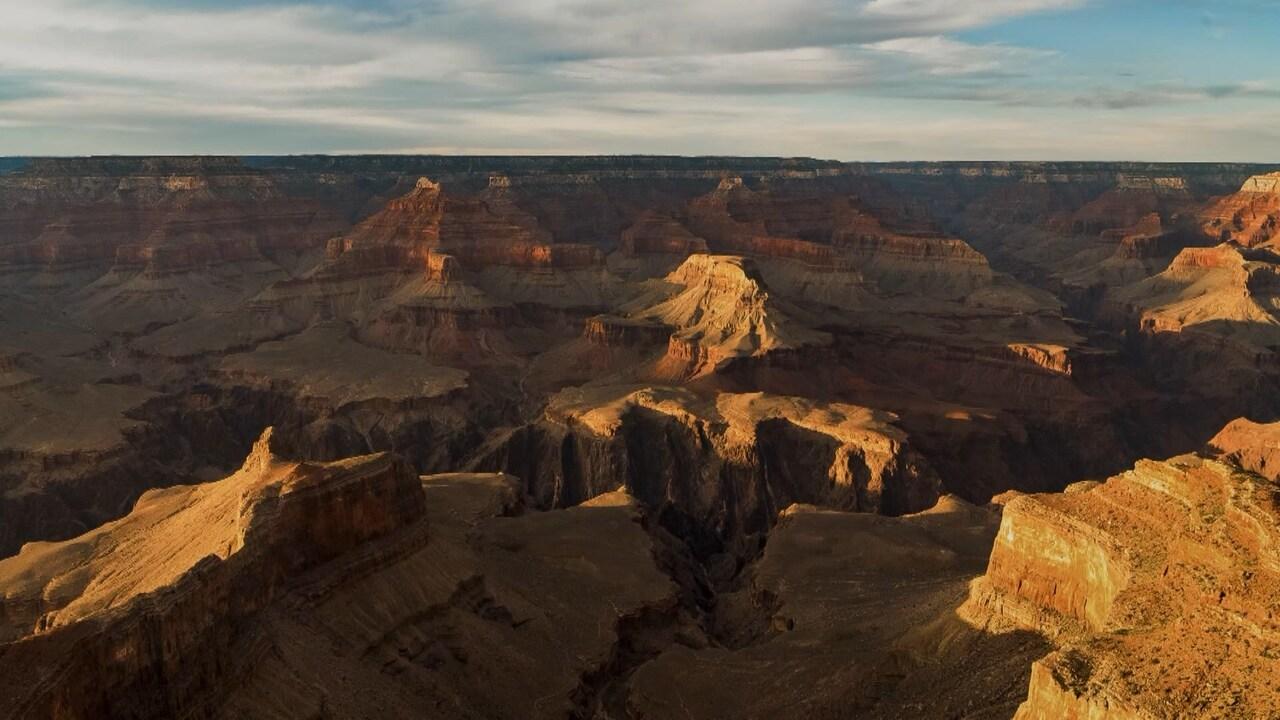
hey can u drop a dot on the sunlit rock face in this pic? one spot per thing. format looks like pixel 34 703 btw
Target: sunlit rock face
pixel 1248 217
pixel 336 586
pixel 1157 585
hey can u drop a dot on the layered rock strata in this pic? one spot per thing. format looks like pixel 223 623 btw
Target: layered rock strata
pixel 1158 586
pixel 717 469
pixel 332 589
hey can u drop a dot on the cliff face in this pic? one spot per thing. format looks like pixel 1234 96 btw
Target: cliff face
pixel 160 593
pixel 1158 586
pixel 159 215
pixel 721 308
pixel 826 229
pixel 480 252
pixel 719 471
pixel 236 598
pixel 1253 446
pixel 1209 320
pixel 1248 217
pixel 483 230
pixel 655 234
pixel 851 614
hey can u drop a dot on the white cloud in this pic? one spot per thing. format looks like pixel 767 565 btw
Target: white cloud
pixel 940 55
pixel 291 49
pixel 790 70
pixel 955 15
pixel 850 78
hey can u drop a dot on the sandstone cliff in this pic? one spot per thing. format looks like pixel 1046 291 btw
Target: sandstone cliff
pixel 1250 216
pixel 721 308
pixel 294 590
pixel 1157 585
pixel 718 470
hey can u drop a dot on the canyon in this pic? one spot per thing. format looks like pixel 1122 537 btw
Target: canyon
pixel 637 437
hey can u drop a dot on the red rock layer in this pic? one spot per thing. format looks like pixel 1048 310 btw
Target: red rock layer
pixel 482 231
pixel 737 220
pixel 1249 217
pixel 653 233
pixel 610 331
pixel 190 215
pixel 823 229
pixel 1159 585
pixel 1253 446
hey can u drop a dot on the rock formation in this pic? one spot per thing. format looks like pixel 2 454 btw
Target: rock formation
pixel 1248 217
pixel 1209 290
pixel 1157 586
pixel 850 615
pixel 1250 445
pixel 330 589
pixel 721 308
pixel 719 468
pixel 153 240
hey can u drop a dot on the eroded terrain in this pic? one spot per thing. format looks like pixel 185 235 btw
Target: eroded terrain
pixel 637 438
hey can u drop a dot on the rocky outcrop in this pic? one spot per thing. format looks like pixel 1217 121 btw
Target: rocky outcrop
pixel 287 514
pixel 831 229
pixel 721 308
pixel 653 233
pixel 849 615
pixel 718 469
pixel 1054 567
pixel 304 590
pixel 1269 183
pixel 152 604
pixel 480 231
pixel 1208 326
pixel 1248 217
pixel 1124 207
pixel 491 243
pixel 1158 586
pixel 1251 445
pixel 1220 290
pixel 944 267
pixel 609 331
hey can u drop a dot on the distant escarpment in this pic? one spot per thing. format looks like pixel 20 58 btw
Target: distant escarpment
pixel 158 215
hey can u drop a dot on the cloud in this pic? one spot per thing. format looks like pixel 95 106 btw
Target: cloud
pixel 791 70
pixel 281 60
pixel 947 15
pixel 939 55
pixel 682 27
pixel 828 77
pixel 17 87
pixel 1169 94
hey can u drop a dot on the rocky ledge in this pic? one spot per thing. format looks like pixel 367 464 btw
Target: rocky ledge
pixel 1159 586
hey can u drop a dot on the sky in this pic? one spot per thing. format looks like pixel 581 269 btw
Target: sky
pixel 873 80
